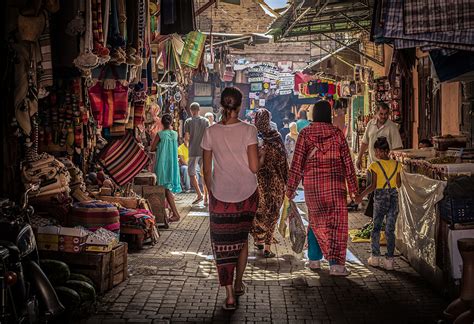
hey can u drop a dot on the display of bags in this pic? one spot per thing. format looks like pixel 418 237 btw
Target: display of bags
pixel 123 159
pixel 108 103
pixel 193 48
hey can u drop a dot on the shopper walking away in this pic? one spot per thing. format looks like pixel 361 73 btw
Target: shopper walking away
pixel 167 165
pixel 195 127
pixel 230 163
pixel 183 156
pixel 385 181
pixel 290 142
pixel 210 117
pixel 271 179
pixel 285 130
pixel 303 121
pixel 322 159
pixel 380 126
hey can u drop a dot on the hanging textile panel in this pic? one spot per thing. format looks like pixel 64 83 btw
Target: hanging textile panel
pixel 193 48
pixel 123 159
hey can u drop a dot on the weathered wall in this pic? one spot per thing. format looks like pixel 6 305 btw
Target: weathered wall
pixel 249 17
pixel 450 103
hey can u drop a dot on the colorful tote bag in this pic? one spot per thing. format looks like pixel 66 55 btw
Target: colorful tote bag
pixel 123 159
pixel 193 48
pixel 108 105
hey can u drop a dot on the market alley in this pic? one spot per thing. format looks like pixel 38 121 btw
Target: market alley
pixel 175 281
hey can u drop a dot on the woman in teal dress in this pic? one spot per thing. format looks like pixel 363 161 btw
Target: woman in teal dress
pixel 167 165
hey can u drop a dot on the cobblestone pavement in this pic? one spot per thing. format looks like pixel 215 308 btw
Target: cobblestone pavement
pixel 175 281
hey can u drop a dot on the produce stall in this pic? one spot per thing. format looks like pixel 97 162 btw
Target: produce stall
pixel 436 209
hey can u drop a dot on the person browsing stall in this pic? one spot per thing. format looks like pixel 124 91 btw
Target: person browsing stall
pixel 385 181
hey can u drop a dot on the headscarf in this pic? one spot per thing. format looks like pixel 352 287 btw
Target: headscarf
pixel 293 131
pixel 269 135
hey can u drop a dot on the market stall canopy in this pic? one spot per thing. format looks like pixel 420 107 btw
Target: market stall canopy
pixel 238 40
pixel 338 22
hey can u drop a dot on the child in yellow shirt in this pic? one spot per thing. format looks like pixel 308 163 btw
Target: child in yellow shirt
pixel 385 175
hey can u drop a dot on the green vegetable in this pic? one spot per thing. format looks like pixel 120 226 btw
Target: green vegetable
pixel 68 297
pixel 85 290
pixel 81 277
pixel 57 271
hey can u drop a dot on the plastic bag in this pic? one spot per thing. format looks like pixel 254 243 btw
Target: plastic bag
pixel 297 228
pixel 283 222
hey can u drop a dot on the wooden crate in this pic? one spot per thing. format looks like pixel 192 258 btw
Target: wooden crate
pixel 105 269
pixel 118 265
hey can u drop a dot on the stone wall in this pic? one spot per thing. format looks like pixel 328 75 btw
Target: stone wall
pixel 249 17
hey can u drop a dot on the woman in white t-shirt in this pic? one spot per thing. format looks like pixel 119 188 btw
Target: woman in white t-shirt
pixel 231 161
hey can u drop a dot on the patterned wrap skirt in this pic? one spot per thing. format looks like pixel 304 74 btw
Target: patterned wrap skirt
pixel 229 229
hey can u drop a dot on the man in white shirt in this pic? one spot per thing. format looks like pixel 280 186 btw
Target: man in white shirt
pixel 380 126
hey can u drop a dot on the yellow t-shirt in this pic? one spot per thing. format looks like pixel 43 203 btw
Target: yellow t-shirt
pixel 183 151
pixel 389 167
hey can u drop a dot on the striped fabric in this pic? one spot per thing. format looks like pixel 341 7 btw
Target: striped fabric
pixel 193 49
pixel 94 215
pixel 109 105
pixel 45 79
pixel 123 159
pixel 229 231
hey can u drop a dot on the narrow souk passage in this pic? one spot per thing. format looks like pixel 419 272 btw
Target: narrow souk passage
pixel 175 281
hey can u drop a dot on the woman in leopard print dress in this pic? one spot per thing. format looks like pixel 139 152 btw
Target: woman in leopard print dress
pixel 272 178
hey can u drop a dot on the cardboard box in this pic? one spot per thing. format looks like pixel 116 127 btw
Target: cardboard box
pixel 47 246
pixel 72 240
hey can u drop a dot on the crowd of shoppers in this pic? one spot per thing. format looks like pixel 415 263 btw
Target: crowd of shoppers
pixel 248 169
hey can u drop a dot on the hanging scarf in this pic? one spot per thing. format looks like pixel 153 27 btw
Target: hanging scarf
pixel 269 135
pixel 293 131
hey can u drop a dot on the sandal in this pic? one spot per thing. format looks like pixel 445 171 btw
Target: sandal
pixel 339 270
pixel 243 289
pixel 173 218
pixel 198 200
pixel 269 254
pixel 229 307
pixel 259 246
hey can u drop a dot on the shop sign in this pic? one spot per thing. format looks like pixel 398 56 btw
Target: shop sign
pixel 256 79
pixel 252 95
pixel 285 92
pixel 255 74
pixel 261 102
pixel 254 87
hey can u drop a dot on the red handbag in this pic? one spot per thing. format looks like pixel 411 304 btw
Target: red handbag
pixel 108 105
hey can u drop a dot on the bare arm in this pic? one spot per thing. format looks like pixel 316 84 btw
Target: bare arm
pixel 362 150
pixel 369 189
pixel 399 180
pixel 254 158
pixel 207 166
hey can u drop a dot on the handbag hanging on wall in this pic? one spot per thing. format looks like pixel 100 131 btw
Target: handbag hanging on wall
pixel 109 100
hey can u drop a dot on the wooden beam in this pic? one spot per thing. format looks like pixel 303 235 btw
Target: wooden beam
pixel 204 7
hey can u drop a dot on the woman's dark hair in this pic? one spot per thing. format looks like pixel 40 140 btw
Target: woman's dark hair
pixel 166 120
pixel 382 144
pixel 231 100
pixel 322 112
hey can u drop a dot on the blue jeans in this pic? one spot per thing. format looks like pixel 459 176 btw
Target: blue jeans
pixel 314 251
pixel 185 180
pixel 385 206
